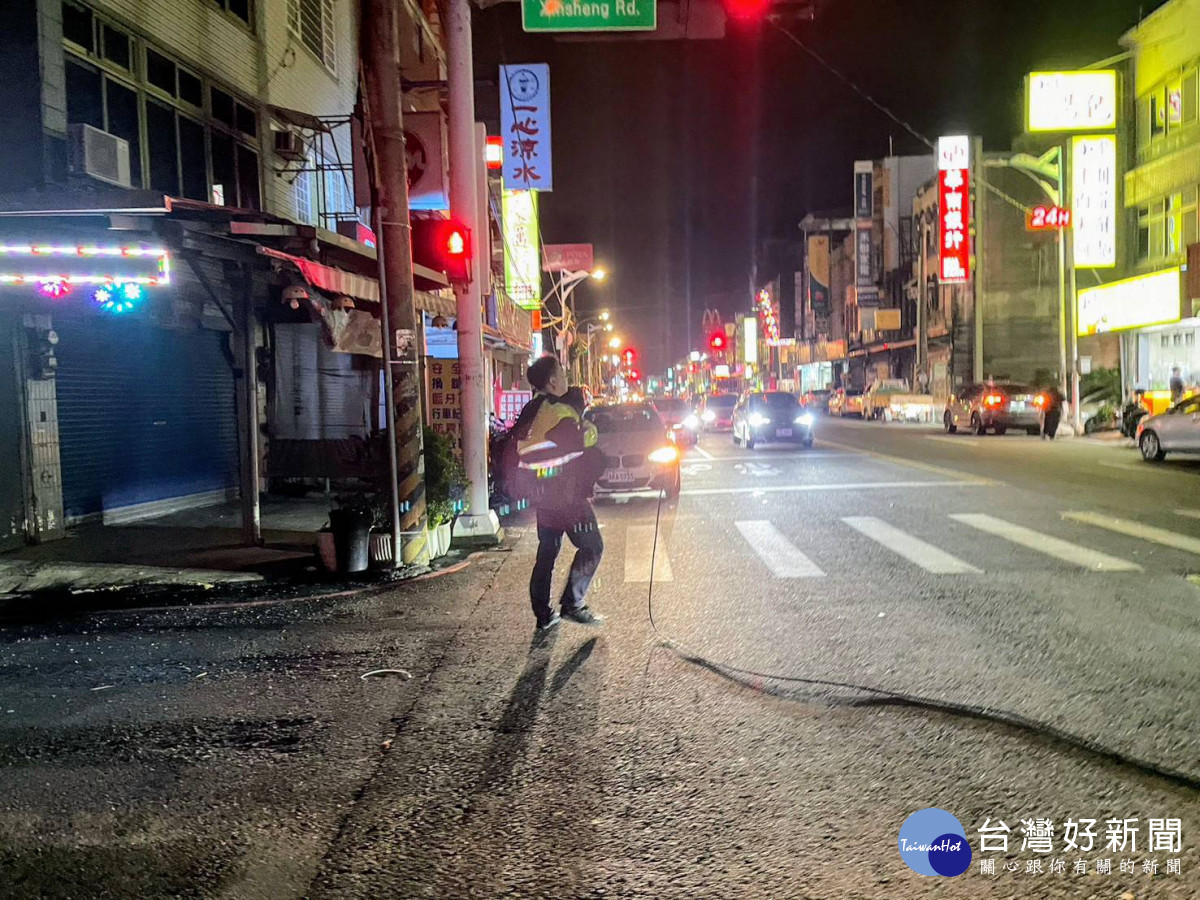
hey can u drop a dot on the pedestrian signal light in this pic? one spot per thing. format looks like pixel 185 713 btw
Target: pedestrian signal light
pixel 455 250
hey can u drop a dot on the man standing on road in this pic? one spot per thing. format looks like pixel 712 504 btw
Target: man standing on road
pixel 1176 385
pixel 555 446
pixel 1052 404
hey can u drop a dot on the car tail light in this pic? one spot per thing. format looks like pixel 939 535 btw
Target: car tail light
pixel 993 399
pixel 664 455
pixel 1039 400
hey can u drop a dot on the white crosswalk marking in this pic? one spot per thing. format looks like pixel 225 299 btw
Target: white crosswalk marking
pixel 1044 543
pixel 1184 542
pixel 927 556
pixel 777 552
pixel 639 545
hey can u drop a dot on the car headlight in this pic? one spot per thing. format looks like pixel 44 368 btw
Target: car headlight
pixel 664 455
pixel 758 420
pixel 806 420
pixel 691 422
pixel 709 416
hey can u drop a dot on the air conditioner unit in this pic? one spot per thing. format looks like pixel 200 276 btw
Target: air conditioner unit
pixel 289 145
pixel 99 154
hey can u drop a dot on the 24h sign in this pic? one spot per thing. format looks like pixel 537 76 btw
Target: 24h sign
pixel 585 15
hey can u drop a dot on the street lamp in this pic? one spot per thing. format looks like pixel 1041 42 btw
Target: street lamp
pixel 614 343
pixel 605 316
pixel 567 282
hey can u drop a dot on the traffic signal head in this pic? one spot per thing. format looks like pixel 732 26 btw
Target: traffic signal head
pixel 454 250
pixel 746 10
pixel 494 152
pixel 628 356
pixel 717 342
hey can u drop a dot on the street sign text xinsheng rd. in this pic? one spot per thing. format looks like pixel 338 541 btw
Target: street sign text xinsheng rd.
pixel 580 15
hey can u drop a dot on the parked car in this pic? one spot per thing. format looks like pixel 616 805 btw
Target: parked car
pixel 716 412
pixel 679 417
pixel 1175 431
pixel 638 452
pixel 992 406
pixel 762 418
pixel 846 402
pixel 816 401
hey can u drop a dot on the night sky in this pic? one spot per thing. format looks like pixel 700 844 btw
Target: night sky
pixel 651 134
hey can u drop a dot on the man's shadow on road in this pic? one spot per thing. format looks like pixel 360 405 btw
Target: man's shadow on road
pixel 512 731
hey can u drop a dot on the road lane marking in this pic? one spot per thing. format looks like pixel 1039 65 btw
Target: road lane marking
pixel 1184 542
pixel 1190 513
pixel 958 441
pixel 777 552
pixel 1044 543
pixel 704 452
pixel 928 557
pixel 1125 466
pixel 912 463
pixel 639 545
pixel 846 486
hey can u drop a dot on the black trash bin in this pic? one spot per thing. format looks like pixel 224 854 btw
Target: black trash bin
pixel 351 538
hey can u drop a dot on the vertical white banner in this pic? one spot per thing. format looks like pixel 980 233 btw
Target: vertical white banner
pixel 525 127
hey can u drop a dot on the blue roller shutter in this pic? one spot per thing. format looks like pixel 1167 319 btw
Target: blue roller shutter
pixel 145 413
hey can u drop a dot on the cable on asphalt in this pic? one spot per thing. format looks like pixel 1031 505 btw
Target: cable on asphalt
pixel 884 697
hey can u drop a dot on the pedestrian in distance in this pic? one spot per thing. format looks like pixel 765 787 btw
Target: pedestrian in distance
pixel 557 461
pixel 1176 384
pixel 1052 405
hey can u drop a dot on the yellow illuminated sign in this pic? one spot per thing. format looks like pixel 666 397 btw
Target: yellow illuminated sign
pixel 1071 101
pixel 522 248
pixel 1131 303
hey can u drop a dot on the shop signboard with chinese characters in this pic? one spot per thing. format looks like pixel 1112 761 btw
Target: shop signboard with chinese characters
pixel 525 126
pixel 954 208
pixel 445 398
pixel 1071 101
pixel 581 15
pixel 1153 299
pixel 567 257
pixel 818 275
pixel 1094 200
pixel 864 203
pixel 522 250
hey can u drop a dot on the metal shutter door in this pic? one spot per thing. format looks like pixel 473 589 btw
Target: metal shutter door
pixel 145 413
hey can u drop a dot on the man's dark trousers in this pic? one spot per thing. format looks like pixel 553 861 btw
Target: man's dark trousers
pixel 578 523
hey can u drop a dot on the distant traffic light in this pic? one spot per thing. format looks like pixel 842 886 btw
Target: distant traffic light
pixel 633 374
pixel 716 343
pixel 746 9
pixel 628 356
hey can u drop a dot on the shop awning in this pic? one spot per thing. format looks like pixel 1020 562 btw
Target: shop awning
pixel 327 278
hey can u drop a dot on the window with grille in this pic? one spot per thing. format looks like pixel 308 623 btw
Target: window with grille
pixel 303 189
pixel 312 22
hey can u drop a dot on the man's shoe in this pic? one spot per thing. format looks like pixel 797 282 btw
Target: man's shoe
pixel 583 616
pixel 554 619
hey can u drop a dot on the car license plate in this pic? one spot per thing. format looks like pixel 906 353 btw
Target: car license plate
pixel 783 432
pixel 1018 406
pixel 618 476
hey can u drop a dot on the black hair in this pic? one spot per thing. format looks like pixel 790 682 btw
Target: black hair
pixel 540 372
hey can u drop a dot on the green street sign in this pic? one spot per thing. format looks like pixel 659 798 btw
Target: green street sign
pixel 586 15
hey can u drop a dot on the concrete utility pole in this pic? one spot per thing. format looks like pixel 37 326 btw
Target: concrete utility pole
pixel 479 524
pixel 389 197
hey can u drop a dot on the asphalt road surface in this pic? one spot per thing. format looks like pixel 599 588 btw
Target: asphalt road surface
pixel 999 627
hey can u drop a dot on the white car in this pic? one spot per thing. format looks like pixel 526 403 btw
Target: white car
pixel 638 451
pixel 1175 431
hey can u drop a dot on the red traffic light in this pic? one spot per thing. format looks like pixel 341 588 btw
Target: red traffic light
pixel 633 374
pixel 747 9
pixel 717 342
pixel 454 250
pixel 628 356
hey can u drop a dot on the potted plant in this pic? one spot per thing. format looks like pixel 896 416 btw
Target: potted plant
pixel 445 483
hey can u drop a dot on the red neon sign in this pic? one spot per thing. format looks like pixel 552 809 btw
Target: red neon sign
pixel 954 209
pixel 1047 218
